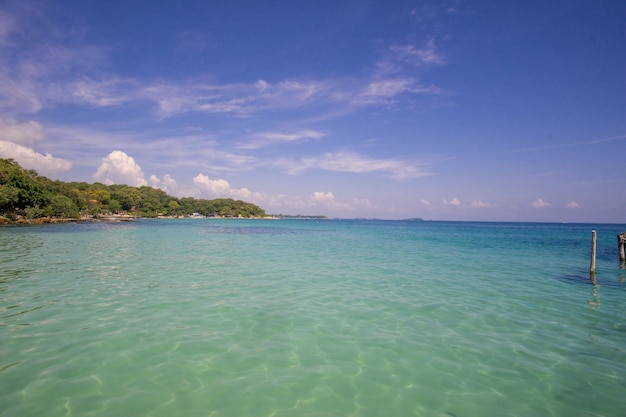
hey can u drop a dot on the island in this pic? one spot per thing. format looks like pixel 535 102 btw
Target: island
pixel 27 197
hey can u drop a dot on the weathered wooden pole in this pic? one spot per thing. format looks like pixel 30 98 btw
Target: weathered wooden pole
pixel 592 267
pixel 621 246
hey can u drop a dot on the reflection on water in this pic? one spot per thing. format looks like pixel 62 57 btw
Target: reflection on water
pixel 595 298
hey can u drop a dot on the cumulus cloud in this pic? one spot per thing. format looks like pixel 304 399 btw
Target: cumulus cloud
pixel 167 184
pixel 454 202
pixel 573 205
pixel 21 133
pixel 220 188
pixel 16 140
pixel 425 202
pixel 30 159
pixel 320 196
pixel 539 203
pixel 327 200
pixel 154 181
pixel 119 168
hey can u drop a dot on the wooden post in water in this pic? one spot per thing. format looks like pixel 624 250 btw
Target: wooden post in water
pixel 621 246
pixel 592 267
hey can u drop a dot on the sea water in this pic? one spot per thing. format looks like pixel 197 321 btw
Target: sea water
pixel 273 318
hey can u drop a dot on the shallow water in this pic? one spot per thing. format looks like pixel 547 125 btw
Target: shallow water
pixel 210 317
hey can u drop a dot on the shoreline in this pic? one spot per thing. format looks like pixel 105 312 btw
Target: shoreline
pixel 55 220
pixel 4 221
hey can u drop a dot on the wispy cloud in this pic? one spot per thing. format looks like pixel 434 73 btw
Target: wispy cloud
pixel 383 91
pixel 355 163
pixel 271 138
pixel 428 55
pixel 481 204
pixel 609 139
pixel 55 65
pixel 573 144
pixel 46 86
pixel 192 40
pixel 99 93
pixel 476 204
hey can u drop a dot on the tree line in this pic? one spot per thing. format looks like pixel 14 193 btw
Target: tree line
pixel 25 194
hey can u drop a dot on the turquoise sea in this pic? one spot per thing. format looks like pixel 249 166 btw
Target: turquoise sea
pixel 273 318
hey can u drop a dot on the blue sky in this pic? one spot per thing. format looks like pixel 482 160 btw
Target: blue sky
pixel 451 110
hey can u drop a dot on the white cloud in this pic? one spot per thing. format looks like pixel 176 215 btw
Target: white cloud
pixel 41 68
pixel 454 202
pixel 167 184
pixel 381 91
pixel 539 203
pixel 419 56
pixel 220 188
pixel 19 96
pixel 388 88
pixel 119 168
pixel 269 138
pixel 425 202
pixel 357 164
pixel 174 98
pixel 21 133
pixel 100 93
pixel 154 181
pixel 16 140
pixel 482 204
pixel 430 12
pixel 573 205
pixel 327 200
pixel 320 196
pixel 28 158
pixel 235 99
pixel 217 187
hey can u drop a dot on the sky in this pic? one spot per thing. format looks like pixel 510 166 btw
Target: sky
pixel 441 110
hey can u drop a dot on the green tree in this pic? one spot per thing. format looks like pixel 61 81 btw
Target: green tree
pixel 173 208
pixel 61 206
pixel 20 187
pixel 24 193
pixel 128 197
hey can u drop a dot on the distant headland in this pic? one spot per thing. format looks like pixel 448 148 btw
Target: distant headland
pixel 26 197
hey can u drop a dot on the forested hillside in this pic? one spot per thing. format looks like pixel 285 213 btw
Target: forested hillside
pixel 25 194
